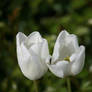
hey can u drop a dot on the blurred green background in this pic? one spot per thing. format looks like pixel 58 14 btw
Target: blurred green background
pixel 48 17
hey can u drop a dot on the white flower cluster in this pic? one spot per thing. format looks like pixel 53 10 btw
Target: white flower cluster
pixel 34 58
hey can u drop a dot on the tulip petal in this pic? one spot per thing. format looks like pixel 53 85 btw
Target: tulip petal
pixel 38 66
pixel 36 48
pixel 77 66
pixel 31 66
pixel 24 56
pixel 73 57
pixel 35 37
pixel 60 69
pixel 59 40
pixel 21 37
pixel 65 45
pixel 25 52
pixel 44 50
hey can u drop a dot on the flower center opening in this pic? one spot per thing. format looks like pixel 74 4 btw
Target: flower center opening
pixel 67 58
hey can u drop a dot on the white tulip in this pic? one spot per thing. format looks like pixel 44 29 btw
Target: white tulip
pixel 68 57
pixel 32 52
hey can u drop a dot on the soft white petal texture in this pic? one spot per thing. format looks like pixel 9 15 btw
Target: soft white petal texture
pixel 33 66
pixel 77 66
pixel 60 69
pixel 20 38
pixel 35 37
pixel 44 50
pixel 36 48
pixel 64 46
pixel 57 45
pixel 68 58
pixel 29 53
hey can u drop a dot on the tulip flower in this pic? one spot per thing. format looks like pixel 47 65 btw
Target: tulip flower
pixel 32 52
pixel 68 57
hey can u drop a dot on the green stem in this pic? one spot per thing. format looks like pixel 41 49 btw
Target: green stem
pixel 69 85
pixel 36 86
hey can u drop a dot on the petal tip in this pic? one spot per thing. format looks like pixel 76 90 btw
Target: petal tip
pixel 18 34
pixel 65 31
pixel 83 47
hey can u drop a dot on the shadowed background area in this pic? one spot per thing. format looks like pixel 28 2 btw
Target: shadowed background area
pixel 48 17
